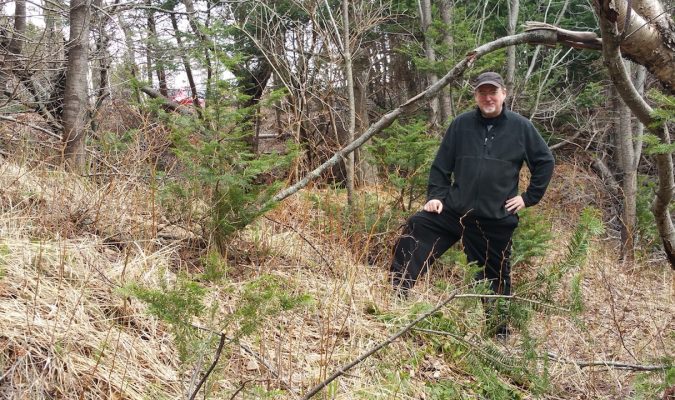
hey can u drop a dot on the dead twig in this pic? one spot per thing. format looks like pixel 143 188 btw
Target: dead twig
pixel 243 385
pixel 219 350
pixel 346 367
pixel 511 297
pixel 255 355
pixel 305 239
pixel 608 364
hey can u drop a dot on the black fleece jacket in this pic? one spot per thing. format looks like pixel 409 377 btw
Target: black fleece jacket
pixel 478 164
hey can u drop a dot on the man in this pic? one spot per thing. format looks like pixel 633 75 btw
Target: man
pixel 472 193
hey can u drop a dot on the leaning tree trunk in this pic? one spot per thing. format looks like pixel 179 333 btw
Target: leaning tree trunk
pixel 75 99
pixel 648 39
pixel 608 19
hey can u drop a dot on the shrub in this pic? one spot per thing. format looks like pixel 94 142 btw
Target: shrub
pixel 220 173
pixel 405 154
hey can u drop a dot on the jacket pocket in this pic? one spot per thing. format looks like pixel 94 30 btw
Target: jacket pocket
pixel 498 182
pixel 464 185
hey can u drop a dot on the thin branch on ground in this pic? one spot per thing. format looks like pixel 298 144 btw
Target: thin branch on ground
pixel 511 297
pixel 346 367
pixel 608 364
pixel 330 268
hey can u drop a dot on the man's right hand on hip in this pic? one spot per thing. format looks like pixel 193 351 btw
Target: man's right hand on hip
pixel 434 206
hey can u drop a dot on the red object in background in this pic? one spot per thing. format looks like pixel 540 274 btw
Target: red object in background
pixel 183 97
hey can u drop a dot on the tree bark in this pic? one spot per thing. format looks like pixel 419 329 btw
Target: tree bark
pixel 347 55
pixel 75 107
pixel 430 54
pixel 607 18
pixel 153 53
pixel 14 46
pixel 648 38
pixel 514 9
pixel 447 106
pixel 624 144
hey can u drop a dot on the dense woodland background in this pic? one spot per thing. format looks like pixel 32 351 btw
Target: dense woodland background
pixel 199 199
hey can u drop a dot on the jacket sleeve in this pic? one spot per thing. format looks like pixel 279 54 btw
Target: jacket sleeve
pixel 540 162
pixel 442 167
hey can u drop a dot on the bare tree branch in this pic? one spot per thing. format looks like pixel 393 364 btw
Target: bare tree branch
pixel 41 129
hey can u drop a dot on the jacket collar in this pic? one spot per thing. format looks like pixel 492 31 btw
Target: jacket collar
pixel 492 121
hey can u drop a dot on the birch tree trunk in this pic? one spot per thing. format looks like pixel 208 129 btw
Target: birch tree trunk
pixel 648 38
pixel 514 10
pixel 75 108
pixel 430 54
pixel 609 21
pixel 447 106
pixel 129 54
pixel 347 54
pixel 624 144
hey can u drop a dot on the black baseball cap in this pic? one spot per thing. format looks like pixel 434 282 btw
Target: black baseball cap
pixel 489 78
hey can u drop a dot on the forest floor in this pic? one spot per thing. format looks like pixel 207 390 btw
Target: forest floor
pixel 301 292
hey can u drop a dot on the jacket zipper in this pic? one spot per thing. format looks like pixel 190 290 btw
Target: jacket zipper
pixel 480 169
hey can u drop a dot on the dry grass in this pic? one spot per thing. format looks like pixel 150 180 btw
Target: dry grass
pixel 68 244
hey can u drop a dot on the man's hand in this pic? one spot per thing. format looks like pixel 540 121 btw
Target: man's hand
pixel 434 206
pixel 515 204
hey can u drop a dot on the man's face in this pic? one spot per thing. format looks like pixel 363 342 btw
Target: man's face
pixel 490 100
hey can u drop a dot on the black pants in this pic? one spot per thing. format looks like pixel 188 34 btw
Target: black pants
pixel 428 235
